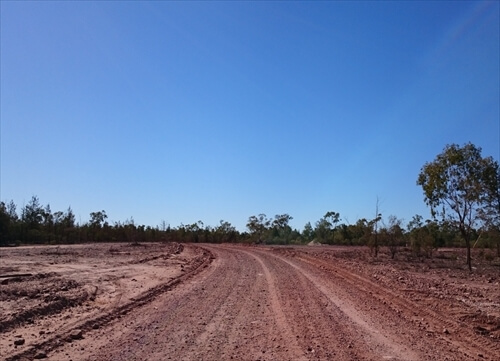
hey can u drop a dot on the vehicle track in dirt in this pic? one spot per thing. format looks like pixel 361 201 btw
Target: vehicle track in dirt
pixel 58 339
pixel 226 313
pixel 461 339
pixel 253 303
pixel 328 326
pixel 271 303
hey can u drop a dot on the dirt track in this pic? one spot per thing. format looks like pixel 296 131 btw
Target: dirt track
pixel 304 303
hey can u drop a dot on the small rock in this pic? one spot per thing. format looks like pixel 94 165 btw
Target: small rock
pixel 76 334
pixel 40 355
pixel 5 281
pixel 41 332
pixel 19 342
pixel 445 331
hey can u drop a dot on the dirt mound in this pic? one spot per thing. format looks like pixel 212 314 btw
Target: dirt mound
pixel 314 243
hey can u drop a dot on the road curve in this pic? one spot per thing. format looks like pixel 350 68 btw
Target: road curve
pixel 254 303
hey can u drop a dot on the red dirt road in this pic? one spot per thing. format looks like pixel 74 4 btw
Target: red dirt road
pixel 257 303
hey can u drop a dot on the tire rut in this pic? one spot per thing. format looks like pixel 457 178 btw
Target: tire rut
pixel 56 341
pixel 252 303
pixel 206 320
pixel 277 310
pixel 410 311
pixel 329 327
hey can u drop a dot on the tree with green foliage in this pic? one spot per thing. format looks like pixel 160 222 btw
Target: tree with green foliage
pixel 32 213
pixel 308 232
pixel 281 228
pixel 5 224
pixel 225 232
pixel 423 237
pixel 96 223
pixel 11 211
pixel 97 218
pixel 393 234
pixel 457 186
pixel 332 218
pixel 31 221
pixel 322 230
pixel 258 226
pixel 325 228
pixel 490 214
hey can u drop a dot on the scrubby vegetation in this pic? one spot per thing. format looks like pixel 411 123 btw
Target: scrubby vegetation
pixel 36 224
pixel 460 186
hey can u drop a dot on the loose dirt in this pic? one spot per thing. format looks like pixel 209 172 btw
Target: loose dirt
pixel 231 302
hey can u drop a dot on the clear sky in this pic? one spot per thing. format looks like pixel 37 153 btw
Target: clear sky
pixel 187 111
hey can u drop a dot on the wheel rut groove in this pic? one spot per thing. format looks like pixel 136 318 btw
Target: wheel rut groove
pixel 476 344
pixel 56 341
pixel 332 327
pixel 269 304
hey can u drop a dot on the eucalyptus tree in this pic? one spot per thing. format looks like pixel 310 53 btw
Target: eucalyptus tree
pixel 97 218
pixel 457 187
pixel 333 218
pixel 258 226
pixel 490 214
pixel 281 227
pixel 421 239
pixel 225 232
pixel 322 230
pixel 97 221
pixel 308 232
pixel 394 234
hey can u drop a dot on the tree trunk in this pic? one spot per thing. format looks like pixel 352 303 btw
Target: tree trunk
pixel 465 235
pixel 469 262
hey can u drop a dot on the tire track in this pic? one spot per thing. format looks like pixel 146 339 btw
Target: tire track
pixel 54 342
pixel 279 315
pixel 181 321
pixel 227 331
pixel 334 323
pixel 224 314
pixel 475 345
pixel 253 303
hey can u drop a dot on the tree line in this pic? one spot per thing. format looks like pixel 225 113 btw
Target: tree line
pixel 460 186
pixel 37 224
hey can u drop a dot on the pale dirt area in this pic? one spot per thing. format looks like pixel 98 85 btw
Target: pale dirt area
pixel 232 302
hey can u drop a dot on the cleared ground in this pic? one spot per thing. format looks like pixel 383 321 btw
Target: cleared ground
pixel 227 302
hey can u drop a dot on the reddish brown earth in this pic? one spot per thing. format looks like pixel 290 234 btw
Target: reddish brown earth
pixel 228 302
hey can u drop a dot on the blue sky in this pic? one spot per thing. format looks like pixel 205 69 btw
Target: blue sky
pixel 187 111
